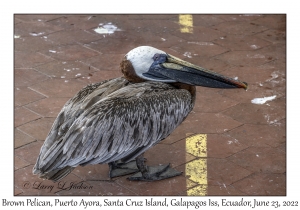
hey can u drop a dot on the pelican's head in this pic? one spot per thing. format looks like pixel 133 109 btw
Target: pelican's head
pixel 148 63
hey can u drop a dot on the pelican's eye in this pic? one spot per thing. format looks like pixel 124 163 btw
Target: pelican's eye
pixel 156 57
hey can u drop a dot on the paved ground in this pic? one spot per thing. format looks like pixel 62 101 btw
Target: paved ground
pixel 243 144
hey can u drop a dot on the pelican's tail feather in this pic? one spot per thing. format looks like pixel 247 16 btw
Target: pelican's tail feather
pixel 55 175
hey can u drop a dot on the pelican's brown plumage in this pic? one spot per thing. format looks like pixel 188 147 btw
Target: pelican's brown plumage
pixel 116 121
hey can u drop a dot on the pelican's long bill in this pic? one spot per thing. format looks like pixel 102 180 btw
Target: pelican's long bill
pixel 167 67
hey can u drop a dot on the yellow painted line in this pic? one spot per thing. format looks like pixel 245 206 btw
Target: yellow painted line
pixel 196 170
pixel 186 23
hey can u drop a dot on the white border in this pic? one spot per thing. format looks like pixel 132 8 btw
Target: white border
pixel 152 6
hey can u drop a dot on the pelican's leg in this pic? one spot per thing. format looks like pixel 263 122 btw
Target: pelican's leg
pixel 118 168
pixel 152 173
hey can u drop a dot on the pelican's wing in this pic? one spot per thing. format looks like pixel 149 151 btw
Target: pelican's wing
pixel 72 110
pixel 120 126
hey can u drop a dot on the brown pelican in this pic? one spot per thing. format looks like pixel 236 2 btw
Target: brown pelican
pixel 117 120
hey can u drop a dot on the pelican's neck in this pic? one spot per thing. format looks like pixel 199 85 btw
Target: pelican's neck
pixel 190 88
pixel 128 72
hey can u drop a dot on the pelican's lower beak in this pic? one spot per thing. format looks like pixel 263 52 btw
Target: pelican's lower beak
pixel 181 71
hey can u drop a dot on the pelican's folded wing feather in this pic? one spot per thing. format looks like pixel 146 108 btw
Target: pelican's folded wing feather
pixel 120 126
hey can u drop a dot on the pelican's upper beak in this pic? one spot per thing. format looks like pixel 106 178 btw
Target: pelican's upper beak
pixel 166 67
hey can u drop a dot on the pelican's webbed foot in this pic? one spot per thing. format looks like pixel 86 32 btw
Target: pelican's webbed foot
pixel 120 169
pixel 152 173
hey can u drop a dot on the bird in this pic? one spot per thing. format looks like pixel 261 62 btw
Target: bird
pixel 116 121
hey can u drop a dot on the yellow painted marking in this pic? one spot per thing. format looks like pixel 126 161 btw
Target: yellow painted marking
pixel 196 170
pixel 190 184
pixel 186 23
pixel 196 145
pixel 199 190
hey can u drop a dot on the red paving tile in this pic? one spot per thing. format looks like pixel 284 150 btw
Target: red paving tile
pixel 241 17
pixel 275 36
pixel 38 129
pixel 229 145
pixel 158 27
pixel 277 22
pixel 207 20
pixel 254 75
pixel 21 138
pixel 100 76
pixel 83 22
pixel 240 42
pixel 38 28
pixel 29 152
pixel 57 55
pixel 273 184
pixel 20 163
pixel 48 107
pixel 17 191
pixel 165 154
pixel 27 77
pixel 58 87
pixel 34 18
pixel 255 91
pixel 23 115
pixel 224 172
pixel 200 34
pixel 205 103
pixel 211 123
pixel 98 172
pixel 67 37
pixel 109 62
pixel 260 135
pixel 112 46
pixel 31 59
pixel 172 186
pixel 118 34
pixel 260 159
pixel 69 52
pixel 66 69
pixel 240 27
pixel 200 49
pixel 222 190
pixel 245 58
pixel 23 96
pixel 32 44
pixel 274 52
pixel 163 40
pixel 282 147
pixel 258 114
pixel 211 63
